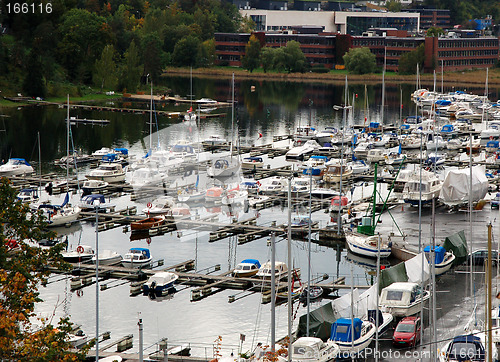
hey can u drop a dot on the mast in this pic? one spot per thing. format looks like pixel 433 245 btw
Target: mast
pixel 67 143
pixel 383 88
pixel 289 248
pixel 232 118
pixel 151 118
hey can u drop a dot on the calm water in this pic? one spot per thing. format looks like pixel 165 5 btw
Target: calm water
pixel 273 109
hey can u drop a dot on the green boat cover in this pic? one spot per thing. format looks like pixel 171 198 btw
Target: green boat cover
pixel 396 273
pixel 457 244
pixel 320 322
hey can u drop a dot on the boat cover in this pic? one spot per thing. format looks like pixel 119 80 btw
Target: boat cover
pixel 320 322
pixel 457 244
pixel 414 269
pixel 396 273
pixel 341 329
pixel 439 253
pixel 456 186
pixel 251 261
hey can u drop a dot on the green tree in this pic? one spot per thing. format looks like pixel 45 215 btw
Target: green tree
pixel 247 25
pixel 434 31
pixel 267 55
pixel 153 55
pixel 105 69
pixel 207 53
pixel 408 61
pixel 251 58
pixel 21 274
pixel 131 70
pixel 186 52
pixel 295 60
pixel 393 5
pixel 360 61
pixel 34 84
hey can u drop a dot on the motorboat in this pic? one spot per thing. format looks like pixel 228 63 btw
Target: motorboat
pixel 435 142
pixel 107 257
pixel 250 186
pixel 28 195
pixel 147 177
pixel 95 201
pixel 411 142
pixel 147 223
pixel 93 186
pixel 326 136
pixel 214 194
pixel 77 339
pixel 402 299
pixel 16 167
pixel 301 185
pixel 304 133
pixel 335 170
pixel 376 155
pixel 273 185
pixel 313 162
pixel 265 270
pixel 492 132
pixel 358 167
pixel 312 349
pixel 191 195
pixel 443 260
pixel 352 335
pixel 251 163
pixel 299 153
pixel 111 172
pixel 82 254
pixel 247 268
pixel 234 197
pixel 137 258
pixel 337 202
pixel 366 245
pixel 313 292
pixel 160 283
pixel 469 347
pixel 214 140
pixel 384 319
pixel 224 167
pixel 456 188
pixel 421 187
pixel 160 205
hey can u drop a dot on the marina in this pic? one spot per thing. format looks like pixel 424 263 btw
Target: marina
pixel 203 241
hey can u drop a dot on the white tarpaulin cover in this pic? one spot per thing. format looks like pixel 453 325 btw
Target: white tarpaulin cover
pixel 342 305
pixel 456 185
pixel 414 268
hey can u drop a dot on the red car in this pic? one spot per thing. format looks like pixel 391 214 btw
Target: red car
pixel 407 332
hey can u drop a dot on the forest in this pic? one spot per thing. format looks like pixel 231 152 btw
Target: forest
pixel 50 48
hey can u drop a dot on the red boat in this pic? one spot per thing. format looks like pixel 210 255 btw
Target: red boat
pixel 147 223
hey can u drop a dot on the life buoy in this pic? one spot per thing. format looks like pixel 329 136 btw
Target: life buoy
pixel 149 205
pixel 79 249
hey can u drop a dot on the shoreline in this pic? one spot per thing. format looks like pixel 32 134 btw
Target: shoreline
pixel 465 78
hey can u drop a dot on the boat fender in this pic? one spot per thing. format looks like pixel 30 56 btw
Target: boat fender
pixel 79 249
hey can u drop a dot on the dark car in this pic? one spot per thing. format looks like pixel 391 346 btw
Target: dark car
pixel 407 332
pixel 480 256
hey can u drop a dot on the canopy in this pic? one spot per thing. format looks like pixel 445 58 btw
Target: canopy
pixel 251 261
pixel 341 329
pixel 457 244
pixel 438 253
pixel 320 321
pixel 414 269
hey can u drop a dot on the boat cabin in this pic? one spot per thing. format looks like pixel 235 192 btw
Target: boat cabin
pixel 400 294
pixel 247 267
pixel 342 329
pixel 265 271
pixel 28 195
pixel 138 254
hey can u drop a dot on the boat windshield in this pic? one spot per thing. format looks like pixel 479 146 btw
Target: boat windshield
pixel 394 295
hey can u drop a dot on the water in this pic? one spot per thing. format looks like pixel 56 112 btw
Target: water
pixel 273 109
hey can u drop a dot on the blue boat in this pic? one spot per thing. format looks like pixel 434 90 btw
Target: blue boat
pixel 160 283
pixel 465 348
pixel 352 335
pixel 137 258
pixel 246 268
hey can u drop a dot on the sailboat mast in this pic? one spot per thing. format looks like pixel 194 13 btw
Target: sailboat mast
pixel 151 118
pixel 383 88
pixel 67 143
pixel 289 247
pixel 232 118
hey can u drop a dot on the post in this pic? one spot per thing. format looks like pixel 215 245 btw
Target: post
pixel 289 247
pixel 308 257
pixel 488 296
pixel 273 293
pixel 97 281
pixel 377 299
pixel 165 353
pixel 141 343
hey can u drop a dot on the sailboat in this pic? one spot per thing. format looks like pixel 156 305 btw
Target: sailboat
pixel 226 166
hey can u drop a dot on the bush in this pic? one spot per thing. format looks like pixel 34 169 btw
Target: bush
pixel 320 69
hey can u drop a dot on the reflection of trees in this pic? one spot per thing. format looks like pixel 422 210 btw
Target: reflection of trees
pixel 286 94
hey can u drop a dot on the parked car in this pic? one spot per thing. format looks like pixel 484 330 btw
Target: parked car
pixel 407 332
pixel 480 256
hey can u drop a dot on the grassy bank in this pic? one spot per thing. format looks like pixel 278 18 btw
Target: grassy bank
pixel 471 77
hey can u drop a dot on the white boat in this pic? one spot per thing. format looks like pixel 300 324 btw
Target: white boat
pixel 470 347
pixel 362 148
pixel 454 144
pixel 82 254
pixel 352 341
pixel 335 169
pixel 28 195
pixel 376 155
pixel 184 151
pixel 214 194
pixel 422 186
pixel 304 133
pixel 366 245
pixel 160 205
pixel 312 349
pixel 93 186
pixel 299 153
pixel 455 189
pixel 493 131
pixel 273 185
pixel 191 195
pixel 77 339
pixel 280 268
pixel 301 185
pixel 250 163
pixel 147 177
pixel 160 283
pixel 247 268
pixel 111 172
pixel 234 197
pixel 395 158
pixel 15 167
pixel 326 136
pixel 137 258
pixel 107 257
pixel 443 260
pixel 384 319
pixel 214 140
pixel 93 201
pixel 411 142
pixel 58 215
pixel 402 299
pixel 358 167
pixel 224 167
pixel 435 142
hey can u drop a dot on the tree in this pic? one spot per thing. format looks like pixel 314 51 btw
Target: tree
pixel 360 61
pixel 267 55
pixel 131 70
pixel 250 60
pixel 393 6
pixel 434 31
pixel 34 84
pixel 20 275
pixel 187 52
pixel 247 25
pixel 153 55
pixel 207 53
pixel 295 60
pixel 408 61
pixel 105 69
